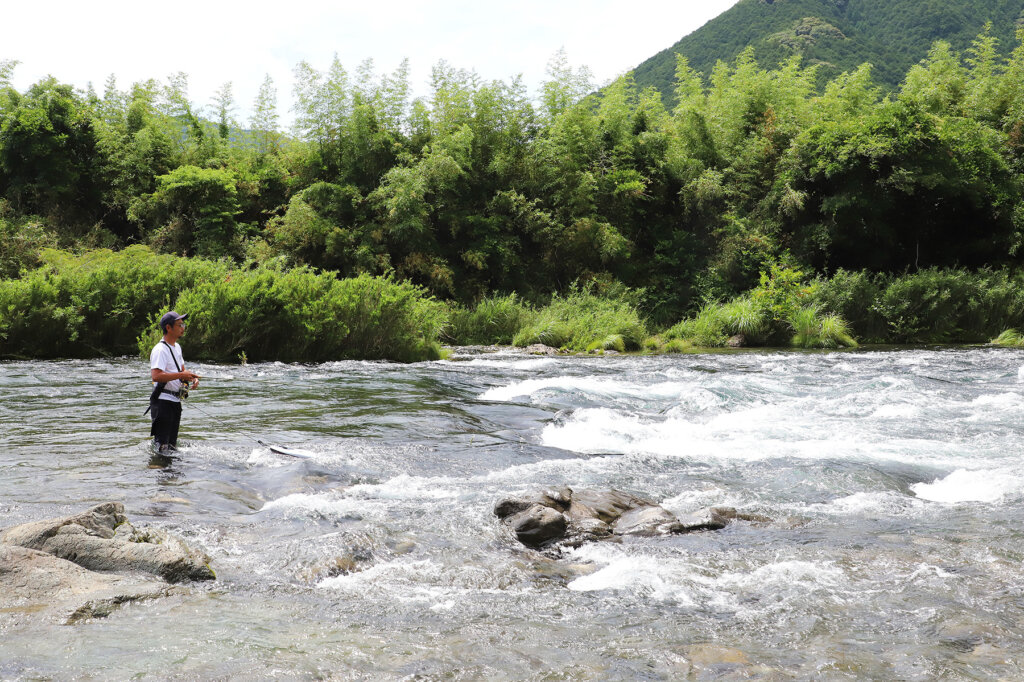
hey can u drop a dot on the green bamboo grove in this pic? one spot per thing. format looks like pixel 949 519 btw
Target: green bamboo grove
pixel 760 196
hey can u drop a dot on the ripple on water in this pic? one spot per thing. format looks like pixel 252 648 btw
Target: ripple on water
pixel 888 483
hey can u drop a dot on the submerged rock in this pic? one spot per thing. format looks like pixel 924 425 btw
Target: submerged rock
pixel 568 517
pixel 75 565
pixel 101 539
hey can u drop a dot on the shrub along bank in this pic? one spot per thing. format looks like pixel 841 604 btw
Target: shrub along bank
pixel 107 303
pixel 787 308
pixel 929 306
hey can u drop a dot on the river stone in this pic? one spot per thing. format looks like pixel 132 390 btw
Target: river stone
pixel 558 499
pixel 737 341
pixel 560 518
pixel 34 582
pixel 647 521
pixel 101 539
pixel 592 528
pixel 541 349
pixel 606 505
pixel 537 525
pixel 705 519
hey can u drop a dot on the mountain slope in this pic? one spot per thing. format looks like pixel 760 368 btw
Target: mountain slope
pixel 839 34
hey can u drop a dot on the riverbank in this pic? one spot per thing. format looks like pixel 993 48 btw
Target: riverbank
pixel 106 303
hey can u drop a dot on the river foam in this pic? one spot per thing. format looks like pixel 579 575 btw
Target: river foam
pixel 963 485
pixel 879 536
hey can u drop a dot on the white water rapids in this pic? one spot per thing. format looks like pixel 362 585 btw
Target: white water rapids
pixel 892 482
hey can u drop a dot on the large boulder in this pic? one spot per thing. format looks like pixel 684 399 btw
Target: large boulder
pixel 567 517
pixel 101 539
pixel 34 583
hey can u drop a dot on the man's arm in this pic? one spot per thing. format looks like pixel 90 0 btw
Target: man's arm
pixel 162 377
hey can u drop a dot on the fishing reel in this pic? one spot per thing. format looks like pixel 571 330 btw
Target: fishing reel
pixel 183 391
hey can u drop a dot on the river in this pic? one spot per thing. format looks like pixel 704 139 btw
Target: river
pixel 893 480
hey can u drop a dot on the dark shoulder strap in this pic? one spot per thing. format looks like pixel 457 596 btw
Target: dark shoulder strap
pixel 173 359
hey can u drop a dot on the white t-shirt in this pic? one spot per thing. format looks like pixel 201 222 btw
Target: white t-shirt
pixel 160 358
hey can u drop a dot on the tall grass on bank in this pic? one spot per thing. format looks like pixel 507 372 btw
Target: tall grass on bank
pixel 582 320
pixel 107 303
pixel 300 316
pixel 494 320
pixel 706 330
pixel 1010 338
pixel 813 330
pixel 716 323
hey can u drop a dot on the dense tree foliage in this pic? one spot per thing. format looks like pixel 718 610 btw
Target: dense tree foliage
pixel 838 35
pixel 479 189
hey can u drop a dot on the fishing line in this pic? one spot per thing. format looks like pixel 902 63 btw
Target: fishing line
pixel 273 448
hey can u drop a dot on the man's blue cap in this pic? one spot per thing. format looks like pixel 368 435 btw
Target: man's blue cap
pixel 170 318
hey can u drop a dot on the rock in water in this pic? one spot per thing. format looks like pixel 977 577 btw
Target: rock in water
pixel 605 505
pixel 538 525
pixel 101 539
pixel 706 519
pixel 647 521
pixel 34 582
pixel 567 517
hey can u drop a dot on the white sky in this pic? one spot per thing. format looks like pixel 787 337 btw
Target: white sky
pixel 79 41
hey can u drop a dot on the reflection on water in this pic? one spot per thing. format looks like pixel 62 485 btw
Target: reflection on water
pixel 892 481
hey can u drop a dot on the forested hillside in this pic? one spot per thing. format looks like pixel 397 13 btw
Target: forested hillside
pixel 839 35
pixel 481 189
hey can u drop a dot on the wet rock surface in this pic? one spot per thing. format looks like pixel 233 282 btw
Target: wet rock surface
pixel 86 565
pixel 102 539
pixel 567 517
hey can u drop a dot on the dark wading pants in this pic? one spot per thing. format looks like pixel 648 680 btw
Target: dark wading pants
pixel 166 415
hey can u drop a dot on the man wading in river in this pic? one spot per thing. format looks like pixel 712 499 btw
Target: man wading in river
pixel 167 370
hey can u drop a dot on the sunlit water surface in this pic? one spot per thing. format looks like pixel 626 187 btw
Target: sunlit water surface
pixel 893 481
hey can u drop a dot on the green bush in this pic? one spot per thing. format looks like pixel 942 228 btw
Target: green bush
pixel 193 211
pixel 91 304
pixel 653 343
pixel 760 316
pixel 929 306
pixel 298 315
pixel 21 242
pixel 677 346
pixel 579 318
pixel 106 303
pixel 950 306
pixel 494 320
pixel 614 342
pixel 852 296
pixel 746 316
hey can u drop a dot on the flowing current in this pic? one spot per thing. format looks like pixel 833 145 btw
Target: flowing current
pixel 892 482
